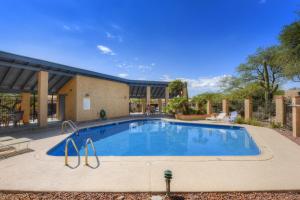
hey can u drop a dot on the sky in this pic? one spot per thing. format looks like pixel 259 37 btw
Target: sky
pixel 199 41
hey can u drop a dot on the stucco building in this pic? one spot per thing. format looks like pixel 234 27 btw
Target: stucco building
pixel 80 94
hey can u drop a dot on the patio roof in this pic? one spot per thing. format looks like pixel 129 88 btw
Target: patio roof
pixel 18 74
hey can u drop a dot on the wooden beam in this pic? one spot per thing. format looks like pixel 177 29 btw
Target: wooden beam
pixel 57 83
pixel 27 80
pixel 17 78
pixel 5 75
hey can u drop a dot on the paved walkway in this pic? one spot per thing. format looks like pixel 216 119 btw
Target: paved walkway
pixel 277 169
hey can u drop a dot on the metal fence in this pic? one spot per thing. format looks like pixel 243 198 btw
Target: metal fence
pixel 217 107
pixel 10 110
pixel 262 111
pixel 238 106
pixel 288 114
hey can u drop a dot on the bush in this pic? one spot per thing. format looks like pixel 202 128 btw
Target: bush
pixel 239 120
pixel 177 105
pixel 253 121
pixel 275 125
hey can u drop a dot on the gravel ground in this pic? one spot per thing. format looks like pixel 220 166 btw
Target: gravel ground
pixel 289 135
pixel 132 196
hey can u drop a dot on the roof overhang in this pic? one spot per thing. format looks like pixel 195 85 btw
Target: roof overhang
pixel 18 74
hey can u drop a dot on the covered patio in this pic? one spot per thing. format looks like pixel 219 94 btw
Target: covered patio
pixel 29 90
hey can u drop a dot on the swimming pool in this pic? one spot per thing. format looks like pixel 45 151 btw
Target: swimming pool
pixel 162 138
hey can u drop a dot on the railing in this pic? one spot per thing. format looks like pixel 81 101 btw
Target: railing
pixel 89 140
pixel 67 152
pixel 71 124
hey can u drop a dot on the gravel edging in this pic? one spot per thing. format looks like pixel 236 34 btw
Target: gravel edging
pixel 144 195
pixel 288 134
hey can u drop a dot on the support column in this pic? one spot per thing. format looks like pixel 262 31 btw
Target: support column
pixel 296 116
pixel 280 112
pixel 248 108
pixel 209 107
pixel 148 98
pixel 225 106
pixel 148 95
pixel 25 107
pixel 57 107
pixel 42 78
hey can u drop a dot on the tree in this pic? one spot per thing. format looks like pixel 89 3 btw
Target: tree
pixel 290 43
pixel 176 88
pixel 265 68
pixel 201 100
pixel 177 105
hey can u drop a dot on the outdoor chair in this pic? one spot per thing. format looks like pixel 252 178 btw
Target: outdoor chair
pixel 17 117
pixel 233 116
pixel 12 143
pixel 221 116
pixel 6 138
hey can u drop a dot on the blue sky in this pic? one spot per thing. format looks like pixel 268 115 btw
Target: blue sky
pixel 199 41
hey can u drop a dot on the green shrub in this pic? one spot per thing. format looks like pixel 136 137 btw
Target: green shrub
pixel 253 121
pixel 275 125
pixel 239 120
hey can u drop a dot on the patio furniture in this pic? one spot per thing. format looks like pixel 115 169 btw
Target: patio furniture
pixel 233 116
pixel 4 121
pixel 14 142
pixel 6 138
pixel 221 116
pixel 17 117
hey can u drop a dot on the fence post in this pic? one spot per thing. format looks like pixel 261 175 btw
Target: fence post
pixel 280 111
pixel 248 108
pixel 209 107
pixel 225 106
pixel 296 116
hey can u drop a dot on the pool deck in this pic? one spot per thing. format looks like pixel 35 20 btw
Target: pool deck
pixel 276 169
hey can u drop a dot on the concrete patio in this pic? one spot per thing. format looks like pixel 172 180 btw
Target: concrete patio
pixel 276 169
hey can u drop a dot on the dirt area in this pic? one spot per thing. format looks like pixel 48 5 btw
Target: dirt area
pixel 289 134
pixel 132 196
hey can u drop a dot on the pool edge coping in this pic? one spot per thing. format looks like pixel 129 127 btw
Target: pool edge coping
pixel 265 152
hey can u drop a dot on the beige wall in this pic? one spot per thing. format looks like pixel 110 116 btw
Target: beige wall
pixel 111 96
pixel 69 90
pixel 292 93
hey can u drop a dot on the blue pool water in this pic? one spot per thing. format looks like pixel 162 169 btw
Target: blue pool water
pixel 162 138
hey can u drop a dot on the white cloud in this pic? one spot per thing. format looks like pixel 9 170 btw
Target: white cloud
pixel 200 85
pixel 67 28
pixel 113 37
pixel 116 26
pixel 144 68
pixel 71 27
pixel 105 50
pixel 166 78
pixel 123 75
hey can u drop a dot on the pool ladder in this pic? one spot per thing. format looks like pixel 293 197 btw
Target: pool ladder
pixel 67 151
pixel 89 140
pixel 71 124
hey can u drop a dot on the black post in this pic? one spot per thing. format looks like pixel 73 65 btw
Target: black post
pixel 34 111
pixel 52 106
